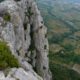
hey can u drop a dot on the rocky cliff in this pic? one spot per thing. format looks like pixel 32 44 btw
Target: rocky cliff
pixel 22 27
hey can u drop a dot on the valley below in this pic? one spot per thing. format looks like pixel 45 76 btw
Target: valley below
pixel 62 18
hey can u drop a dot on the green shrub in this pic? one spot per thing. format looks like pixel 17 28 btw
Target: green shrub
pixel 6 58
pixel 3 65
pixel 7 17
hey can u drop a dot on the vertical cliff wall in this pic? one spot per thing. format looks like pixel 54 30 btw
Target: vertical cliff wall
pixel 22 27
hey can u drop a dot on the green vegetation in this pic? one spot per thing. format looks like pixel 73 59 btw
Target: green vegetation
pixel 56 38
pixel 6 58
pixel 7 17
pixel 63 73
pixel 60 65
pixel 67 58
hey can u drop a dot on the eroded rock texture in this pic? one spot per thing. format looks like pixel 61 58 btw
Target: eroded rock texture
pixel 22 27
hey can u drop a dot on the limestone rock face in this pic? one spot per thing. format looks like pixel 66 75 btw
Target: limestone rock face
pixel 22 27
pixel 19 74
pixel 2 76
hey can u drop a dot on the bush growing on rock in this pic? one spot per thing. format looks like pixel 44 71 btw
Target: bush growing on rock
pixel 6 58
pixel 7 17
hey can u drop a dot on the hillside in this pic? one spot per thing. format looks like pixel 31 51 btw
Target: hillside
pixel 62 17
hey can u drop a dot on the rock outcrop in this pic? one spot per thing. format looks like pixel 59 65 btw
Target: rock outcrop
pixel 22 27
pixel 19 74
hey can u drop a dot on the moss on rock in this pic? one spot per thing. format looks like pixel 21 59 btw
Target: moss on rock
pixel 7 17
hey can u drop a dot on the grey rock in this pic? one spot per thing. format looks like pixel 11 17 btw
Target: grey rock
pixel 25 34
pixel 2 76
pixel 21 74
